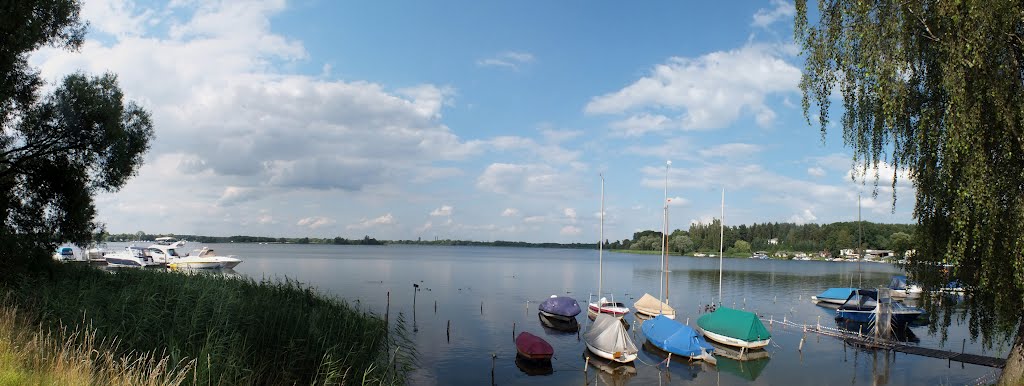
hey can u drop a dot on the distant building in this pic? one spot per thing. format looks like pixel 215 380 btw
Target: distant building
pixel 773 241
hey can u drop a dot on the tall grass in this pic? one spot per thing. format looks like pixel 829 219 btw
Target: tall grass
pixel 37 356
pixel 238 331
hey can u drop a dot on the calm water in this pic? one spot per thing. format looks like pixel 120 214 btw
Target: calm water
pixel 484 291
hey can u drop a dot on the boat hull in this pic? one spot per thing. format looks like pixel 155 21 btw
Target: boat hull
pixel 617 356
pixel 196 265
pixel 722 339
pixel 615 311
pixel 828 300
pixel 533 347
pixel 869 316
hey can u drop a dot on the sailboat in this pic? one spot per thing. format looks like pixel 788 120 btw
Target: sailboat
pixel 607 337
pixel 730 326
pixel 603 305
pixel 648 306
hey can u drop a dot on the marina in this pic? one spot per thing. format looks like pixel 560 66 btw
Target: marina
pixel 472 301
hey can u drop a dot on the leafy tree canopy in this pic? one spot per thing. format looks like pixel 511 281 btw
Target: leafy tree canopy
pixel 57 150
pixel 936 88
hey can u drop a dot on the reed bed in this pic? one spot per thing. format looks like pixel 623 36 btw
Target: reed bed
pixel 231 330
pixel 39 356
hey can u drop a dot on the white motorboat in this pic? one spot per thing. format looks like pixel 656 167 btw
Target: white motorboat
pixel 134 257
pixel 168 253
pixel 67 254
pixel 228 262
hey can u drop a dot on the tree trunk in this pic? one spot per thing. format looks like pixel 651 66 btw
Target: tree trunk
pixel 1013 373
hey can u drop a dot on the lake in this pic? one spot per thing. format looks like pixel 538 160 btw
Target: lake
pixel 484 291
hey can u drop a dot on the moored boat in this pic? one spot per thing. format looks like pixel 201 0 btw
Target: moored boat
pixel 649 306
pixel 672 336
pixel 609 307
pixel 866 305
pixel 560 307
pixel 607 338
pixel 900 287
pixel 533 347
pixel 834 295
pixel 227 262
pixel 735 328
pixel 133 257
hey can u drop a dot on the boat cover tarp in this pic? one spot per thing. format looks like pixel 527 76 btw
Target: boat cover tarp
pixel 560 305
pixel 734 323
pixel 607 334
pixel 674 337
pixel 651 305
pixel 533 346
pixel 836 293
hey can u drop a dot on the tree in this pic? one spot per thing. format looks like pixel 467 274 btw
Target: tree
pixel 936 88
pixel 741 246
pixel 57 151
pixel 682 244
pixel 900 242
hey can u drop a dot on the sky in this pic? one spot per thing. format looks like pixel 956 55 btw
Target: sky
pixel 468 120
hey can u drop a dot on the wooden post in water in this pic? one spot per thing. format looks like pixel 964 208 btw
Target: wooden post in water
pixel 481 308
pixel 513 330
pixel 448 332
pixel 387 309
pixel 435 306
pixel 668 361
pixel 493 355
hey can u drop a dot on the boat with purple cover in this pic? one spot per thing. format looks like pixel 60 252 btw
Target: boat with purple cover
pixel 533 347
pixel 560 307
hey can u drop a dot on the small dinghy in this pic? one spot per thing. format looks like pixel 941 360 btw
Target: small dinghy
pixel 560 307
pixel 533 347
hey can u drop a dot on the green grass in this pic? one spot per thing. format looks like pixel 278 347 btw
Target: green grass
pixel 238 331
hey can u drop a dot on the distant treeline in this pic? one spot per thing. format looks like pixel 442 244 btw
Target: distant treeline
pixel 739 239
pixel 120 237
pixel 499 243
pixel 774 237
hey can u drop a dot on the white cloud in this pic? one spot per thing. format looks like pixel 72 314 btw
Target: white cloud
pixel 535 219
pixel 315 222
pixel 570 214
pixel 386 219
pixel 766 17
pixel 677 201
pixel 508 59
pixel 444 210
pixel 570 230
pixel 640 124
pixel 816 172
pixel 804 217
pixel 711 91
pixel 510 212
pixel 730 150
pixel 533 179
pixel 559 136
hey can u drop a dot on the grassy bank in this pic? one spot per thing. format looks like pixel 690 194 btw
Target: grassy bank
pixel 33 356
pixel 237 331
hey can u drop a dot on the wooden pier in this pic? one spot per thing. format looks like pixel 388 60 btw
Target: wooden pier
pixel 869 341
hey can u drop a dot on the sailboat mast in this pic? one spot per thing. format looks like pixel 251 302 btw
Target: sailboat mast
pixel 664 239
pixel 860 246
pixel 721 248
pixel 600 249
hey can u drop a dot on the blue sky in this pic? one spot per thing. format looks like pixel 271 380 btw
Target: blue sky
pixel 466 120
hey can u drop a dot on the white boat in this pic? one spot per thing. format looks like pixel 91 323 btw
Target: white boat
pixel 227 262
pixel 610 307
pixel 67 254
pixel 134 257
pixel 168 254
pixel 608 339
pixel 649 306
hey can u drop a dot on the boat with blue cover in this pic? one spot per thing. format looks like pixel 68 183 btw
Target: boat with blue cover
pixel 677 338
pixel 863 306
pixel 834 295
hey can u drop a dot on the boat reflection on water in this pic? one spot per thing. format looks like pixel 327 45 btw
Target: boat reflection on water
pixel 747 365
pixel 610 372
pixel 900 333
pixel 681 366
pixel 225 272
pixel 533 367
pixel 555 326
pixel 734 353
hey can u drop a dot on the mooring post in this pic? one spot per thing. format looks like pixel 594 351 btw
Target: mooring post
pixel 435 306
pixel 481 308
pixel 493 355
pixel 448 332
pixel 801 347
pixel 668 361
pixel 513 330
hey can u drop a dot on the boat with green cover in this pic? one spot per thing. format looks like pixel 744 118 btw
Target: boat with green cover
pixel 734 327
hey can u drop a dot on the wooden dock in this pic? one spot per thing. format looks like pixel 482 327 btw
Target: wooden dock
pixel 868 341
